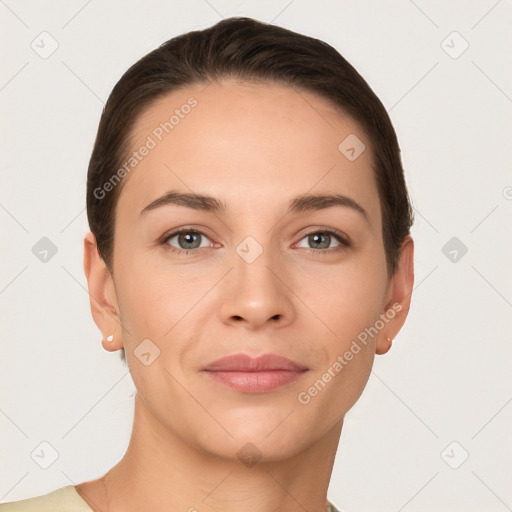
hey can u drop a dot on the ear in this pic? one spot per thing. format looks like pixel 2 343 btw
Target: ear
pixel 102 295
pixel 399 296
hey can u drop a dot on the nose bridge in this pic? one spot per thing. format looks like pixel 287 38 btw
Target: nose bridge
pixel 256 294
pixel 255 265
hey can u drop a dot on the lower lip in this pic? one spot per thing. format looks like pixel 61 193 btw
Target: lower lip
pixel 255 382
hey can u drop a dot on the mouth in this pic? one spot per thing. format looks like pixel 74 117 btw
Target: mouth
pixel 255 375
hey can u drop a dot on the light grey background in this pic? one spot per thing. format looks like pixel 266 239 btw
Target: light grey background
pixel 447 377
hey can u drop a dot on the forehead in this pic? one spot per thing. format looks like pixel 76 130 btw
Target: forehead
pixel 248 144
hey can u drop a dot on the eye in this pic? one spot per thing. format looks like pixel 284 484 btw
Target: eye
pixel 320 241
pixel 187 240
pixel 190 241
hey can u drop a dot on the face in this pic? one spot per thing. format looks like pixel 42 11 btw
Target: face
pixel 259 267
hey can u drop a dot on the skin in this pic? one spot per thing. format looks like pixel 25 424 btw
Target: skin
pixel 254 146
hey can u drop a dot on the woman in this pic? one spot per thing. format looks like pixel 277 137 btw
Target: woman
pixel 249 254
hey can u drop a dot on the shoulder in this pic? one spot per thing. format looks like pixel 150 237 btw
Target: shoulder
pixel 331 508
pixel 65 499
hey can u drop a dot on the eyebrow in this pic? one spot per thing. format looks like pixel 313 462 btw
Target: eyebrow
pixel 299 204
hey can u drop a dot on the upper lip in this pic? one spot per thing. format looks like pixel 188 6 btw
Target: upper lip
pixel 246 363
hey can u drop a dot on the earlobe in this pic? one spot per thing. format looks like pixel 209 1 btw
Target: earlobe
pixel 400 290
pixel 101 293
pixel 111 343
pixel 383 346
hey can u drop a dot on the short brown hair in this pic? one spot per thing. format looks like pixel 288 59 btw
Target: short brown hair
pixel 248 50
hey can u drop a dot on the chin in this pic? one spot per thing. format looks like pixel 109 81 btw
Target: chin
pixel 259 436
pixel 250 450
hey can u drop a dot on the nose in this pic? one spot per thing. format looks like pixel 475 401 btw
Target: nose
pixel 257 294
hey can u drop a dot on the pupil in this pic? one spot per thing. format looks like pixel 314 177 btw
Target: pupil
pixel 188 238
pixel 317 239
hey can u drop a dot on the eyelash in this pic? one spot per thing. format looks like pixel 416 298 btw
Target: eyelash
pixel 344 242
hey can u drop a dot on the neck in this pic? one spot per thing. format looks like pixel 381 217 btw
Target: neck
pixel 161 472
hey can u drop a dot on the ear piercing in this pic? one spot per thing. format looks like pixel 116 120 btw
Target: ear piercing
pixel 110 339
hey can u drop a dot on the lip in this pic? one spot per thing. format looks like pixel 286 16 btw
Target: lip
pixel 254 374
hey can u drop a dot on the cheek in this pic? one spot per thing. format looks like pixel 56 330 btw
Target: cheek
pixel 347 297
pixel 347 349
pixel 147 300
pixel 162 302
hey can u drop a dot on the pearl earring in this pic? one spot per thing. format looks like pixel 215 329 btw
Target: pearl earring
pixel 110 338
